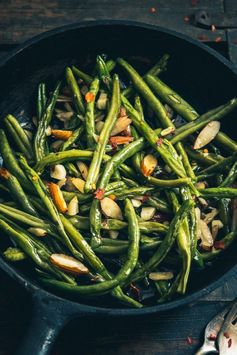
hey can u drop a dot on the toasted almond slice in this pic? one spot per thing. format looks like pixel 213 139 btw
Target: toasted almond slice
pixel 55 146
pixel 102 101
pixel 203 201
pixel 117 140
pixel 98 126
pixel 73 207
pixel 113 234
pixel 48 131
pixel 68 107
pixel 83 168
pixel 68 263
pixel 207 134
pixel 29 134
pixel 64 115
pixel 167 131
pixel 136 203
pixel 110 208
pixel 62 182
pixel 216 225
pixel 206 237
pixel 64 98
pixel 57 197
pixel 148 164
pixel 120 125
pixel 61 134
pixel 39 232
pixel 58 172
pixel 147 213
pixel 122 111
pixel 157 276
pixel 209 216
pixel 78 183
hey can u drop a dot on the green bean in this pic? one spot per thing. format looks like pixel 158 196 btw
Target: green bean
pixel 168 183
pixel 110 64
pixel 14 254
pixel 89 118
pixel 162 146
pixel 218 192
pixel 74 137
pixel 223 207
pixel 130 182
pixel 157 69
pixel 17 192
pixel 19 136
pixel 103 71
pixel 10 161
pixel 206 159
pixel 160 204
pixel 40 148
pixel 75 90
pixel 41 102
pixel 220 166
pixel 121 246
pixel 225 243
pixel 216 114
pixel 103 138
pixel 165 246
pixel 48 203
pixel 231 177
pixel 131 192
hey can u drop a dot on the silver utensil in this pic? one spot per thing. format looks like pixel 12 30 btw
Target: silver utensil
pixel 211 332
pixel 227 337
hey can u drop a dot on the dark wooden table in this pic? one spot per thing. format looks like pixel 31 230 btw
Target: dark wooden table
pixel 177 332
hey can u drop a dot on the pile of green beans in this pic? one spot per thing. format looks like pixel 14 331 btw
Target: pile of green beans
pixel 106 197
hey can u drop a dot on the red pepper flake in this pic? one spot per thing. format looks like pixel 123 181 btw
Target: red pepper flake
pixel 189 340
pixel 145 198
pixel 136 291
pixel 212 337
pixel 202 37
pixel 219 244
pixel 229 343
pixel 89 97
pixel 218 39
pixel 152 10
pixel 99 194
pixel 186 18
pixel 194 2
pixel 226 335
pixel 213 28
pixel 159 142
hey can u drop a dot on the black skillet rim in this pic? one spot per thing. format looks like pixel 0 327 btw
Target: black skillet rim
pixel 34 288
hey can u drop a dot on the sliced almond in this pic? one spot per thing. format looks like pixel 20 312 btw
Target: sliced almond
pixel 113 234
pixel 157 276
pixel 136 203
pixel 39 232
pixel 64 115
pixel 207 134
pixel 48 131
pixel 29 134
pixel 61 134
pixel 68 107
pixel 57 197
pixel 148 164
pixel 83 168
pixel 167 131
pixel 102 101
pixel 206 237
pixel 68 263
pixel 117 140
pixel 210 216
pixel 203 201
pixel 78 183
pixel 62 182
pixel 99 126
pixel 120 125
pixel 58 172
pixel 147 213
pixel 64 98
pixel 73 207
pixel 110 208
pixel 216 225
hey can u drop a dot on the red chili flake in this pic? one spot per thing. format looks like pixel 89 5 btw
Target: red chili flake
pixel 99 194
pixel 194 2
pixel 218 39
pixel 229 343
pixel 145 198
pixel 189 340
pixel 226 335
pixel 152 10
pixel 219 244
pixel 186 18
pixel 89 97
pixel 213 28
pixel 202 37
pixel 136 291
pixel 212 337
pixel 159 142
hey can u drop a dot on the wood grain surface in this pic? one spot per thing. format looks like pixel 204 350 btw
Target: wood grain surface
pixel 178 332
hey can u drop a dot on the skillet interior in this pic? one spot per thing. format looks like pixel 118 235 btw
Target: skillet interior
pixel 196 74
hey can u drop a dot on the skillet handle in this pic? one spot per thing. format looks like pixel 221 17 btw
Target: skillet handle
pixel 48 318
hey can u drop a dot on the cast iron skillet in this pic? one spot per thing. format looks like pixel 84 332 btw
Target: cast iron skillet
pixel 201 75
